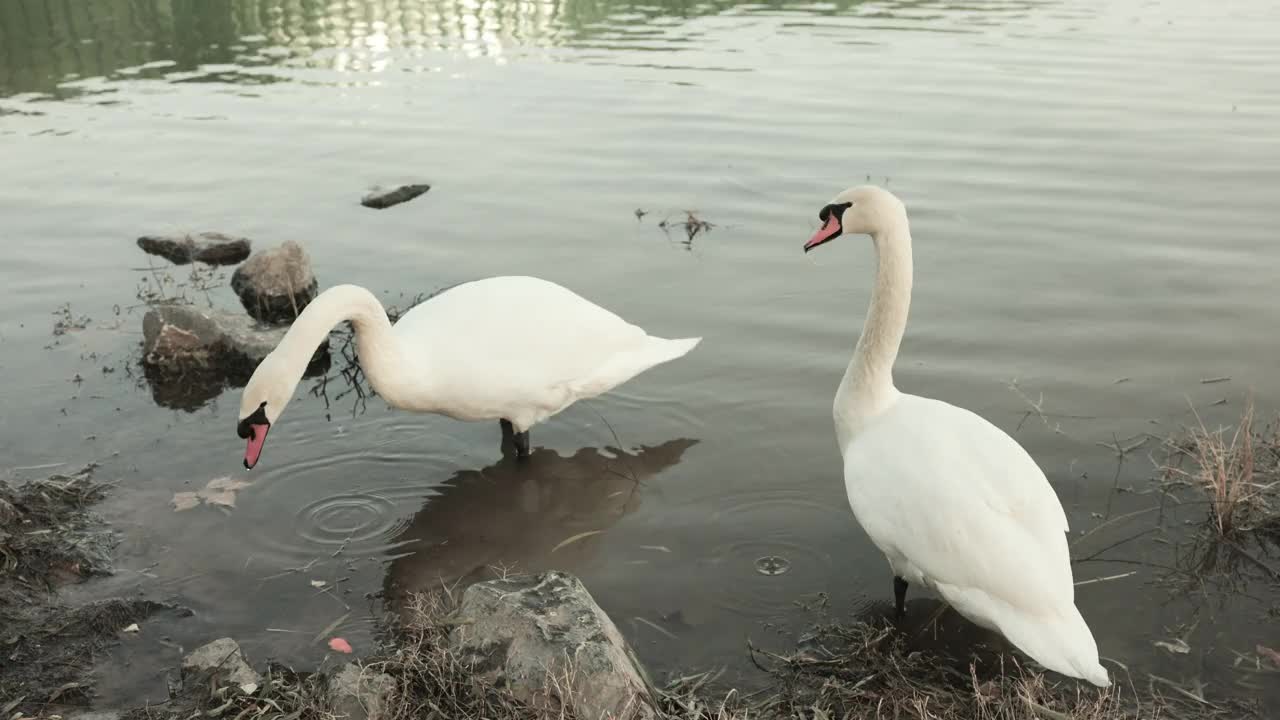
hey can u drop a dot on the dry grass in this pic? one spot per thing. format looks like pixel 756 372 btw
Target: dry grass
pixel 863 670
pixel 46 534
pixel 1237 470
pixel 433 682
pixel 160 286
pixel 283 695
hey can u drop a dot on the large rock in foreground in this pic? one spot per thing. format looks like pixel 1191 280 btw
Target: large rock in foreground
pixel 538 634
pixel 211 248
pixel 184 338
pixel 275 285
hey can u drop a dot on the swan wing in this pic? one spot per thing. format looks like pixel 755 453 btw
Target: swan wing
pixel 962 501
pixel 521 345
pixel 956 503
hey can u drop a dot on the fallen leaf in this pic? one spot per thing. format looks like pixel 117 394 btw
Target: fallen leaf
pixel 340 645
pixel 185 501
pixel 219 492
pixel 226 483
pixel 1178 646
pixel 225 498
pixel 132 628
pixel 1268 653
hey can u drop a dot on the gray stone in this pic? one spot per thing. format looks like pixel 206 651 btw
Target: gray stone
pixel 380 199
pixel 222 658
pixel 357 693
pixel 183 337
pixel 211 248
pixel 275 285
pixel 535 634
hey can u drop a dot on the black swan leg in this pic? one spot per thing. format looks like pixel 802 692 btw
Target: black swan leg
pixel 518 440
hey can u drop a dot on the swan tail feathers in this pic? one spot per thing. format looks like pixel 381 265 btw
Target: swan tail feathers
pixel 1057 638
pixel 1063 644
pixel 624 366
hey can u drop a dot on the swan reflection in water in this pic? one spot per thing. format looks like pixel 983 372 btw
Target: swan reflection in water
pixel 514 514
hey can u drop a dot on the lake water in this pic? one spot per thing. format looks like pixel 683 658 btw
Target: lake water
pixel 1092 188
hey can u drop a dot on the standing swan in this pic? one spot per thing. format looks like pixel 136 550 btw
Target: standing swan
pixel 515 349
pixel 953 503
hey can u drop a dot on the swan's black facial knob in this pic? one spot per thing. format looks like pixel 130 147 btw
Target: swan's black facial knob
pixel 831 216
pixel 259 417
pixel 838 209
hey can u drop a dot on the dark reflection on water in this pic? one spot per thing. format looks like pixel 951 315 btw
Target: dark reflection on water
pixel 543 512
pixel 45 43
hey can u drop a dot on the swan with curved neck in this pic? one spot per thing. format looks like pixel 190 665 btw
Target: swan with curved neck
pixel 954 503
pixel 463 353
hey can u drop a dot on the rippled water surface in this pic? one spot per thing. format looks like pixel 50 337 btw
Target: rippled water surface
pixel 1092 188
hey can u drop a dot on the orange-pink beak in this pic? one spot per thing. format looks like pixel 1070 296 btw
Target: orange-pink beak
pixel 828 232
pixel 257 438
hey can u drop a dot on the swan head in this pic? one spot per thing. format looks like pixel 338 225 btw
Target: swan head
pixel 263 400
pixel 860 210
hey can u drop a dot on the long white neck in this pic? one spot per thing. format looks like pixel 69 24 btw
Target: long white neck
pixel 867 388
pixel 379 350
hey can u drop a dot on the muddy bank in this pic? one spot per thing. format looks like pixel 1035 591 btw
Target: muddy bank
pixel 443 661
pixel 48 539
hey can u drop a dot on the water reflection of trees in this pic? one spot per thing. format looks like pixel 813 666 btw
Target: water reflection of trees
pixel 45 42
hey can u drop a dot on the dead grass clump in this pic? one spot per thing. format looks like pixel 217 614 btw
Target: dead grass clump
pixel 1238 470
pixel 692 225
pixel 432 681
pixel 863 670
pixel 283 694
pixel 46 536
pixel 160 286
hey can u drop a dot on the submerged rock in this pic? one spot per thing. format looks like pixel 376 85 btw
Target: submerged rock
pixel 380 199
pixel 522 632
pixel 185 338
pixel 212 248
pixel 275 285
pixel 359 693
pixel 223 659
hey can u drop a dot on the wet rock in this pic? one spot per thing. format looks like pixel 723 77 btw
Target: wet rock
pixel 380 199
pixel 359 693
pixel 520 631
pixel 222 658
pixel 211 248
pixel 275 285
pixel 186 338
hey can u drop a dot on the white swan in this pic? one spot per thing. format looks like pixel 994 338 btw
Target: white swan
pixel 515 349
pixel 954 503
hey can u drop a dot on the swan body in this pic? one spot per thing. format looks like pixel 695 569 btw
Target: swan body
pixel 514 349
pixel 954 503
